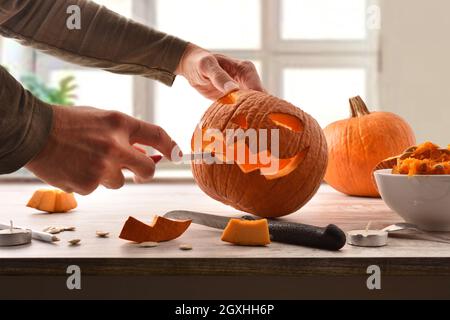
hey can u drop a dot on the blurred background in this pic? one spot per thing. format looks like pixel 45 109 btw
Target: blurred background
pixel 313 53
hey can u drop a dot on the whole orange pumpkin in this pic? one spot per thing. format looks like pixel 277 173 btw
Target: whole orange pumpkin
pixel 358 144
pixel 256 187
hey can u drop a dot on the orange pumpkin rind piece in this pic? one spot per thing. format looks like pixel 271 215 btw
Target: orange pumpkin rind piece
pixel 52 201
pixel 247 232
pixel 161 229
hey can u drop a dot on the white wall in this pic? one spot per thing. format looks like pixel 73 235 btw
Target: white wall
pixel 415 65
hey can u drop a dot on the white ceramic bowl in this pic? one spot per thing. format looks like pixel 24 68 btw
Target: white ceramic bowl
pixel 423 200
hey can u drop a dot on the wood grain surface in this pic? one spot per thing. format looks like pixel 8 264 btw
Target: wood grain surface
pixel 107 210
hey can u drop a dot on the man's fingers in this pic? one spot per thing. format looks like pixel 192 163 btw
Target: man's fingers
pixel 113 179
pixel 154 136
pixel 244 72
pixel 251 80
pixel 140 164
pixel 221 80
pixel 249 77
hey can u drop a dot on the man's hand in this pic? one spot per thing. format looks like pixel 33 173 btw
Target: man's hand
pixel 88 147
pixel 215 75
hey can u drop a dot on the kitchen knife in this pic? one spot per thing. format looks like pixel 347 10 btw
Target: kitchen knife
pixel 329 238
pixel 201 157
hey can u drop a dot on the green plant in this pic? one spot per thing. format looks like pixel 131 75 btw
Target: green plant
pixel 62 94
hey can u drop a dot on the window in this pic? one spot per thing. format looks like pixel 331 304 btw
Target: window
pixel 313 53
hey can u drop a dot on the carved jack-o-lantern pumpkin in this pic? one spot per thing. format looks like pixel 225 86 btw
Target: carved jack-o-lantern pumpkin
pixel 262 182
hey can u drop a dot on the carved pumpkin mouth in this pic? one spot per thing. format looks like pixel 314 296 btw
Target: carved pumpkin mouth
pixel 239 153
pixel 276 168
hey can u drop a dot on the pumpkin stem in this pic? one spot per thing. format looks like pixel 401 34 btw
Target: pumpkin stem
pixel 357 107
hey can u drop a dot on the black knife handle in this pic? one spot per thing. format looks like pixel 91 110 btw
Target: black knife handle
pixel 329 238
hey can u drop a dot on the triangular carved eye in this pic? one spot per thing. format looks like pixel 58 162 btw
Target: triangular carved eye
pixel 287 121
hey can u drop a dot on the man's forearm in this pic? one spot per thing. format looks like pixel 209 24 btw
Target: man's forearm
pixel 25 123
pixel 106 40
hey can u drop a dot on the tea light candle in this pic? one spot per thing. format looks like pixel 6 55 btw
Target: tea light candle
pixel 367 238
pixel 14 236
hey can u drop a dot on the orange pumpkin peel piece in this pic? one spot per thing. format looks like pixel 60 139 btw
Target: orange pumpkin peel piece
pixel 52 201
pixel 247 232
pixel 161 229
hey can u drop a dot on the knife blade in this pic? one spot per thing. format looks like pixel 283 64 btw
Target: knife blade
pixel 203 157
pixel 328 238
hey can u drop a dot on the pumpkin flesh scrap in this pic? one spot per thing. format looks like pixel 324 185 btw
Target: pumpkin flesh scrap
pixel 426 159
pixel 52 201
pixel 161 229
pixel 247 232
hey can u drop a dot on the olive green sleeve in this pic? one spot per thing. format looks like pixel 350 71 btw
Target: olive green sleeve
pixel 25 123
pixel 105 39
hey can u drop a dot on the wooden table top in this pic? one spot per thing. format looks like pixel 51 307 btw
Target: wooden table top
pixel 107 210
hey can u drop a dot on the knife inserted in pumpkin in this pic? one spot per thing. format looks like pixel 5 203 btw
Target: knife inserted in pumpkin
pixel 329 238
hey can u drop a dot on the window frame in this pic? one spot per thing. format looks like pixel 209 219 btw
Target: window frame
pixel 274 55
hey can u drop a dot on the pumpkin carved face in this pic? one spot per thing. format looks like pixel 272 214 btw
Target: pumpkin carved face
pixel 272 156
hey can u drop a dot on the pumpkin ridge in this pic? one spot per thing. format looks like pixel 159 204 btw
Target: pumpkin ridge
pixel 236 106
pixel 274 183
pixel 226 193
pixel 347 152
pixel 349 173
pixel 306 180
pixel 213 167
pixel 313 191
pixel 364 147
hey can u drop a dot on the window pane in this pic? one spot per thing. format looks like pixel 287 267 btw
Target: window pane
pixel 123 7
pixel 179 109
pixel 218 24
pixel 99 89
pixel 323 19
pixel 15 57
pixel 324 93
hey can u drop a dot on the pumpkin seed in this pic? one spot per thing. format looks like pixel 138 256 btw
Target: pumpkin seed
pixel 55 230
pixel 148 244
pixel 102 234
pixel 74 242
pixel 52 230
pixel 185 246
